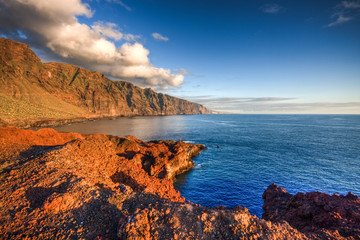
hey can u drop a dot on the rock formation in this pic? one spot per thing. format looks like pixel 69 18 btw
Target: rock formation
pixel 148 217
pixel 316 214
pixel 33 93
pixel 72 186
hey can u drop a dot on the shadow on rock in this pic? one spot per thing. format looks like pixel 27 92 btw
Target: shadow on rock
pixel 38 195
pixel 98 219
pixel 121 177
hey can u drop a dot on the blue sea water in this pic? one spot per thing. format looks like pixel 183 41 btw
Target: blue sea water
pixel 301 153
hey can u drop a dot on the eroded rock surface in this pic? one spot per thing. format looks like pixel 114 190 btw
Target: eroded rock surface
pixel 72 186
pixel 148 217
pixel 316 214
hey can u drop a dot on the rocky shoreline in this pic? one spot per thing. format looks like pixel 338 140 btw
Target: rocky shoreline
pixel 73 186
pixel 44 122
pixel 48 122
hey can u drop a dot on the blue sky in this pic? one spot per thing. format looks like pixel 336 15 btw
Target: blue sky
pixel 231 56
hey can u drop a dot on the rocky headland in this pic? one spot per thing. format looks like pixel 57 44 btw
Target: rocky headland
pixel 33 93
pixel 316 214
pixel 73 186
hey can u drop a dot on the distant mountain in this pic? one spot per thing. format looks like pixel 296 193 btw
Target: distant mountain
pixel 33 93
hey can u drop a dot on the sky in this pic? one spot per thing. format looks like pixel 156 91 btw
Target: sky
pixel 251 57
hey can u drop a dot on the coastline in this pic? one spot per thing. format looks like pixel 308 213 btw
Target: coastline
pixel 38 123
pixel 37 94
pixel 99 186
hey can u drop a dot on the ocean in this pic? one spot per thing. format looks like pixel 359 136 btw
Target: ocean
pixel 246 153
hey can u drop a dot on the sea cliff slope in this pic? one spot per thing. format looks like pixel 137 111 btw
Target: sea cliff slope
pixel 33 93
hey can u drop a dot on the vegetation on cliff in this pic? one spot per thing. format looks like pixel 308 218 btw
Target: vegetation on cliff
pixel 35 93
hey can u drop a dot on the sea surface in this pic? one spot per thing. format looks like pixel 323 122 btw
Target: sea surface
pixel 246 153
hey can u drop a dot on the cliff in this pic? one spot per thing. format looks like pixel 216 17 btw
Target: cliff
pixel 72 186
pixel 33 93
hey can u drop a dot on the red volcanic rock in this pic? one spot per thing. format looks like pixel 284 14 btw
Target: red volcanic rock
pixel 316 214
pixel 166 159
pixel 148 217
pixel 43 137
pixel 13 141
pixel 71 186
pixel 67 184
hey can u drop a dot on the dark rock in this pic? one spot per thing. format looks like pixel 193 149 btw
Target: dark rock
pixel 149 217
pixel 316 214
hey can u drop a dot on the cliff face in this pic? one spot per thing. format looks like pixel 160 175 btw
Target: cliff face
pixel 32 92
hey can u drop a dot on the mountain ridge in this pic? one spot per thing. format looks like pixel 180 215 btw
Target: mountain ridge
pixel 38 94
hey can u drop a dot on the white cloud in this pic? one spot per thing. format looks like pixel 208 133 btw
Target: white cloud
pixel 121 3
pixel 274 105
pixel 111 30
pixel 131 37
pixel 340 20
pixel 182 71
pixel 107 30
pixel 237 100
pixel 347 4
pixel 344 12
pixel 53 24
pixel 272 8
pixel 160 37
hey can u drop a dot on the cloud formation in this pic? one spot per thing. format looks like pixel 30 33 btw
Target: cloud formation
pixel 53 24
pixel 272 8
pixel 347 4
pixel 121 3
pixel 111 30
pixel 160 37
pixel 345 12
pixel 340 20
pixel 274 105
pixel 107 30
pixel 182 71
pixel 235 100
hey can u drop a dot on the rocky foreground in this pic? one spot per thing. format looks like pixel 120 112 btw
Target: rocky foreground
pixel 72 186
pixel 318 215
